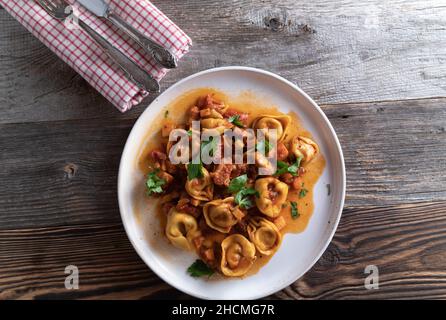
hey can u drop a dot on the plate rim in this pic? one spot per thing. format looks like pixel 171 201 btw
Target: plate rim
pixel 323 116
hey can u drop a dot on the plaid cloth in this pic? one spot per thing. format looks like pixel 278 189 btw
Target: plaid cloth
pixel 77 49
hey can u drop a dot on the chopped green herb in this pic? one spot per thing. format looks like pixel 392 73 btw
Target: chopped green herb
pixel 294 212
pixel 238 183
pixel 242 198
pixel 189 132
pixel 284 168
pixel 302 193
pixel 235 119
pixel 264 146
pixel 199 269
pixel 194 170
pixel 166 114
pixel 154 183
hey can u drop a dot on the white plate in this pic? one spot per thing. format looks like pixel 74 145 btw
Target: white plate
pixel 298 252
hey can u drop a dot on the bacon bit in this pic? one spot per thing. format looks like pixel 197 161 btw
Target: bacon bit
pixel 208 255
pixel 194 113
pixel 222 174
pixel 158 155
pixel 297 183
pixel 198 241
pixel 282 152
pixel 209 102
pixel 167 206
pixel 239 169
pixel 185 206
pixel 280 222
pixel 243 117
pixel 287 177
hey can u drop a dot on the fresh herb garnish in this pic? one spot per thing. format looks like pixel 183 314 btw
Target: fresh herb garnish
pixel 154 183
pixel 235 119
pixel 284 167
pixel 189 132
pixel 242 193
pixel 264 146
pixel 238 183
pixel 199 269
pixel 294 212
pixel 242 198
pixel 166 113
pixel 302 193
pixel 194 170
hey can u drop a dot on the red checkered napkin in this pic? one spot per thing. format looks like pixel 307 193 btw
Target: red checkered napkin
pixel 76 48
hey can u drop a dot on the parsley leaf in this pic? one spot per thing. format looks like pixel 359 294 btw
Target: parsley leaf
pixel 154 183
pixel 189 132
pixel 238 183
pixel 294 212
pixel 235 119
pixel 242 197
pixel 264 146
pixel 199 268
pixel 284 168
pixel 302 193
pixel 194 170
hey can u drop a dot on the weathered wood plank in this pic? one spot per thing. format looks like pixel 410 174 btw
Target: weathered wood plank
pixel 59 173
pixel 406 242
pixel 394 151
pixel 337 51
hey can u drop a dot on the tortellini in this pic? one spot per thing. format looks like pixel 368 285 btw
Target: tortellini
pixel 264 234
pixel 280 123
pixel 201 188
pixel 272 195
pixel 181 229
pixel 237 255
pixel 305 148
pixel 222 214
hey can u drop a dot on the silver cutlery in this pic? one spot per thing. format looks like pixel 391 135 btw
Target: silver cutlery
pixel 162 55
pixel 61 10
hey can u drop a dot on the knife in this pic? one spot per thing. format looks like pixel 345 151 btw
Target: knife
pixel 162 55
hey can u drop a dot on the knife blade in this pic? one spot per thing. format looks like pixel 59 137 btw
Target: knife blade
pixel 162 55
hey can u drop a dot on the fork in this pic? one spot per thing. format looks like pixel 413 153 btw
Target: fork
pixel 60 10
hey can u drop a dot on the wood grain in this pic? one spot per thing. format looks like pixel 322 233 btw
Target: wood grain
pixel 406 242
pixel 337 51
pixel 378 70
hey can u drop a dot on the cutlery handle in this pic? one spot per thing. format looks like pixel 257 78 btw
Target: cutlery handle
pixel 132 71
pixel 162 55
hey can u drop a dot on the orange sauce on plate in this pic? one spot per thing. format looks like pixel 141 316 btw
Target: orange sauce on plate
pixel 246 102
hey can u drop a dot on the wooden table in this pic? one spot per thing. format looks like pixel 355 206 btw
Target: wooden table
pixel 378 70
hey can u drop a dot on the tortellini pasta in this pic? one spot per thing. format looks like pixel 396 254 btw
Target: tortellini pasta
pixel 305 148
pixel 264 234
pixel 280 123
pixel 272 195
pixel 222 214
pixel 181 229
pixel 201 188
pixel 237 255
